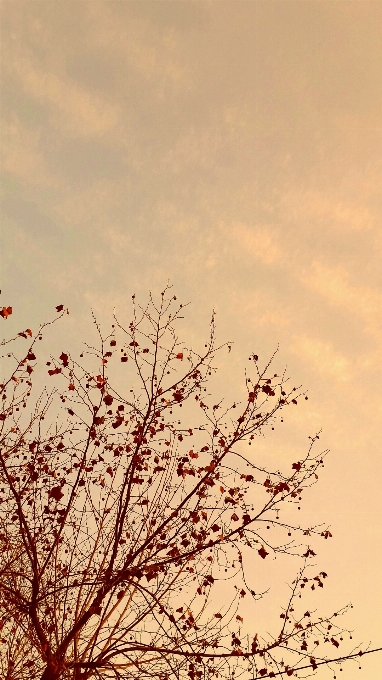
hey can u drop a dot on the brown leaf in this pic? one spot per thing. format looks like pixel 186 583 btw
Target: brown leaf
pixel 56 493
pixel 54 371
pixel 64 358
pixel 262 552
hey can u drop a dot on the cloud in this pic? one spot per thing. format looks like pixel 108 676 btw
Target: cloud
pixel 22 156
pixel 96 204
pixel 322 357
pixel 75 112
pixel 333 284
pixel 326 210
pixel 156 55
pixel 209 149
pixel 258 241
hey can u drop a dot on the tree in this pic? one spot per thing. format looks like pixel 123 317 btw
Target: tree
pixel 126 502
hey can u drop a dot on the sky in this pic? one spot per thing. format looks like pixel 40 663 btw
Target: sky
pixel 234 149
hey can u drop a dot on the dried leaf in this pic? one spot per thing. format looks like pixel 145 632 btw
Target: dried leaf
pixel 262 552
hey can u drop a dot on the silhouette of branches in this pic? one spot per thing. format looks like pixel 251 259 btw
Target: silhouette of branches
pixel 127 500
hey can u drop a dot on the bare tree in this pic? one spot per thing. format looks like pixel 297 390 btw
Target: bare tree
pixel 127 502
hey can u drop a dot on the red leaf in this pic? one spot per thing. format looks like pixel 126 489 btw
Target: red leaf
pixel 262 552
pixel 108 399
pixel 71 387
pixel 109 471
pixel 5 312
pixel 263 671
pixel 296 466
pixel 59 308
pixel 180 356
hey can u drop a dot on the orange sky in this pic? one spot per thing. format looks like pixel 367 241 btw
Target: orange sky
pixel 234 148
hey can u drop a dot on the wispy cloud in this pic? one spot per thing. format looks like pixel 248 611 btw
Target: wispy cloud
pixel 327 210
pixel 322 357
pixel 154 54
pixel 22 154
pixel 74 111
pixel 334 284
pixel 258 241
